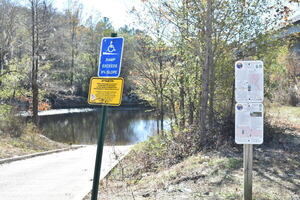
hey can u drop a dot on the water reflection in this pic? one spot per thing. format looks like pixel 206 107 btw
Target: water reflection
pixel 123 127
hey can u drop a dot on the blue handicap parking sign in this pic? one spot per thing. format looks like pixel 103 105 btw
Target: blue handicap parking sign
pixel 110 57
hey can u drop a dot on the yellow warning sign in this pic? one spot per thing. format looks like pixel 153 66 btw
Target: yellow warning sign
pixel 106 91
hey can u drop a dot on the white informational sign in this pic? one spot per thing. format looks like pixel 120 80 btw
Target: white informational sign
pixel 249 81
pixel 249 123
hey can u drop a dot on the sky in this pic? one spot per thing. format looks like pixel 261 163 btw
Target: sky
pixel 115 10
pixel 118 10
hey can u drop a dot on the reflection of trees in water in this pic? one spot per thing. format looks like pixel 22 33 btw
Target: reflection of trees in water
pixel 56 128
pixel 70 128
pixel 86 127
pixel 83 128
pixel 121 129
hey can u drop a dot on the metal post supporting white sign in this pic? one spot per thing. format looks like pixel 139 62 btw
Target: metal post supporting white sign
pixel 249 95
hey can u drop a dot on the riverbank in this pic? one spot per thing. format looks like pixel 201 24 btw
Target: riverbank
pixel 65 100
pixel 26 144
pixel 214 174
pixel 127 125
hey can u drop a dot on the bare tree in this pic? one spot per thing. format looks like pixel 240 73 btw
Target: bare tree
pixel 40 17
pixel 206 68
pixel 73 13
pixel 34 57
pixel 7 30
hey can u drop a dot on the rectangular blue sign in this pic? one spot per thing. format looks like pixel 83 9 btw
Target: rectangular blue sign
pixel 110 57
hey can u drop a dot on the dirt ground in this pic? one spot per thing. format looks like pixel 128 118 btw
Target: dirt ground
pixel 218 174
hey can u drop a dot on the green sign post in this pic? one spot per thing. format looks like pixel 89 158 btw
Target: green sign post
pixel 99 154
pixel 101 136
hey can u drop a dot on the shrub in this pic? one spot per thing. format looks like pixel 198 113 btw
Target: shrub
pixel 10 123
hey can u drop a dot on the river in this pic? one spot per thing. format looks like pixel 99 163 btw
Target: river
pixel 81 126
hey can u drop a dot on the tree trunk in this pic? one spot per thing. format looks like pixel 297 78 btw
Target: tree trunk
pixel 161 98
pixel 161 112
pixel 74 22
pixel 72 51
pixel 157 113
pixel 232 101
pixel 1 65
pixel 35 63
pixel 181 103
pixel 212 96
pixel 197 93
pixel 191 107
pixel 173 107
pixel 205 72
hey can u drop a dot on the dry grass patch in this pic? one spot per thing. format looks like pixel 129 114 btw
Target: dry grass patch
pixel 31 141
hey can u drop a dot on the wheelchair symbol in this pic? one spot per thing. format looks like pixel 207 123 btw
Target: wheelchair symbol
pixel 111 48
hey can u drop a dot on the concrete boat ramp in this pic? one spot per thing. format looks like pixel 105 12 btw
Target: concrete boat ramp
pixel 66 175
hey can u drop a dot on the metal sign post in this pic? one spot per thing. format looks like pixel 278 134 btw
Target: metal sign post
pixel 106 92
pixel 99 154
pixel 249 95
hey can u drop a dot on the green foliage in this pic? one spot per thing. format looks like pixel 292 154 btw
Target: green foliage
pixel 274 53
pixel 14 125
pixel 152 151
pixel 178 37
pixel 31 130
pixel 16 82
pixel 234 163
pixel 10 123
pixel 232 196
pixel 4 110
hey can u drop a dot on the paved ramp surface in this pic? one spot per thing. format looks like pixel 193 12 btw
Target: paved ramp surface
pixel 60 176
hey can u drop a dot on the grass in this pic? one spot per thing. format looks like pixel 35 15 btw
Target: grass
pixel 234 163
pixel 31 141
pixel 18 137
pixel 286 115
pixel 211 175
pixel 288 111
